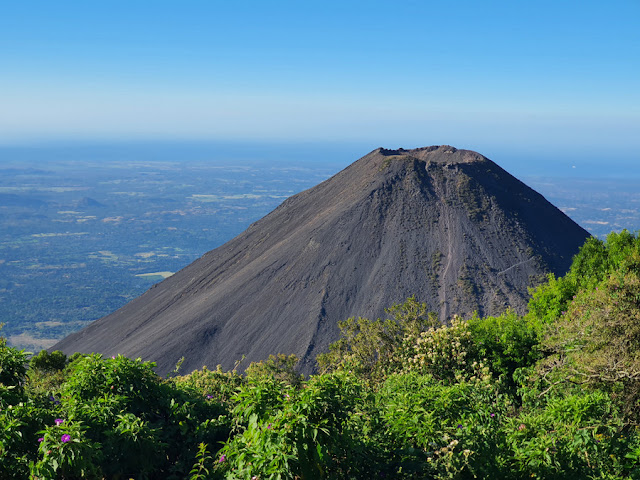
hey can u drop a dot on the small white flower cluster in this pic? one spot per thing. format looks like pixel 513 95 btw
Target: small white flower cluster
pixel 447 459
pixel 447 450
pixel 441 350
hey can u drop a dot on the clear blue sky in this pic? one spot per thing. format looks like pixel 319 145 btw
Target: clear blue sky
pixel 487 75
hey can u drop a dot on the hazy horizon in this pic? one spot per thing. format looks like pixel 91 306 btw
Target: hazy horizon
pixel 522 164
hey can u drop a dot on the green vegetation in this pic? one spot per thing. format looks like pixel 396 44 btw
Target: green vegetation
pixel 475 200
pixel 553 394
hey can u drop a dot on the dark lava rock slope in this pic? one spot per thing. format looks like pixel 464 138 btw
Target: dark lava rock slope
pixel 447 225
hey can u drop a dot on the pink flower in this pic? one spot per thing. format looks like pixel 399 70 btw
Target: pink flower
pixel 41 439
pixel 222 458
pixel 65 438
pixel 59 421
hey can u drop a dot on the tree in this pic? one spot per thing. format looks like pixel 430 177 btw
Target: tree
pixel 592 264
pixel 369 347
pixel 48 362
pixel 596 341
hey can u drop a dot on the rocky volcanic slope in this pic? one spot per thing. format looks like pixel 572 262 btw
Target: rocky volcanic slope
pixel 447 225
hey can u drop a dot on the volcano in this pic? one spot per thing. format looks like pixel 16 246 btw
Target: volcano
pixel 446 225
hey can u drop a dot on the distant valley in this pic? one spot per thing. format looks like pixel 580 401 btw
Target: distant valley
pixel 80 239
pixel 598 205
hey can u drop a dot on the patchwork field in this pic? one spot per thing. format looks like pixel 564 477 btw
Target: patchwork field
pixel 80 239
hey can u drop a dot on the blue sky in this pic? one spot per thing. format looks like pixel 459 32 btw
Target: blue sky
pixel 493 76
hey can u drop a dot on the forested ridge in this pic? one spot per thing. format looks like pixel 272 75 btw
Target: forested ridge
pixel 550 394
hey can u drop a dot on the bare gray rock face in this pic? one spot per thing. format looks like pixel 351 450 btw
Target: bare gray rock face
pixel 446 225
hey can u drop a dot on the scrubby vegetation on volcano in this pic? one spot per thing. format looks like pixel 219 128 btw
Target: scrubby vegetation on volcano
pixel 552 394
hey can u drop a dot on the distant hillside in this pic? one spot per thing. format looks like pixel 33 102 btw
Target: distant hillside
pixel 87 202
pixel 447 225
pixel 13 200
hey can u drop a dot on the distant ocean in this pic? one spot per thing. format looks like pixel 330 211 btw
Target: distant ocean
pixel 551 163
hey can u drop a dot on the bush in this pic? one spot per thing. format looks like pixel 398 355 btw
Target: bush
pixel 214 385
pixel 13 461
pixel 571 435
pixel 505 344
pixel 48 362
pixel 13 366
pixel 452 431
pixel 288 433
pixel 369 348
pixel 593 263
pixel 105 418
pixel 134 381
pixel 443 352
pixel 65 452
pixel 282 367
pixel 596 341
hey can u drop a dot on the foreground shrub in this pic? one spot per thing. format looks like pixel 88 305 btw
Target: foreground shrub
pixel 595 261
pixel 369 348
pixel 505 344
pixel 13 366
pixel 445 352
pixel 135 382
pixel 282 367
pixel 571 433
pixel 597 340
pixel 456 427
pixel 65 452
pixel 48 362
pixel 108 418
pixel 13 451
pixel 288 433
pixel 215 385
